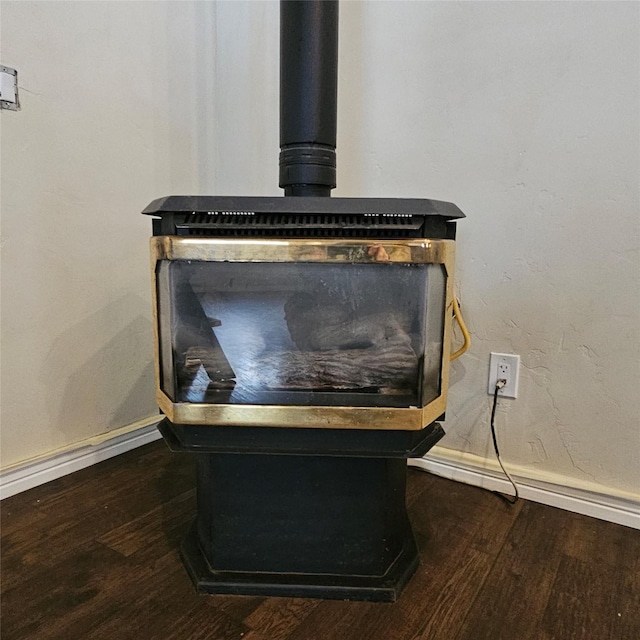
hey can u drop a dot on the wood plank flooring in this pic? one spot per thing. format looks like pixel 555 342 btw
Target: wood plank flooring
pixel 94 555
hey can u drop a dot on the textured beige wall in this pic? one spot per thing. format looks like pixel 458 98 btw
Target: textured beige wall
pixel 526 116
pixel 113 95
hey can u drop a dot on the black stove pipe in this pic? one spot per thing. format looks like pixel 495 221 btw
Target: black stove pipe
pixel 308 96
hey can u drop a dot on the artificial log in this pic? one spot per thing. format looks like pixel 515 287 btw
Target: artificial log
pixel 391 364
pixel 315 325
pixel 213 360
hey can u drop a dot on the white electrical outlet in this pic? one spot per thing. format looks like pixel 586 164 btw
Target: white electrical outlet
pixel 504 366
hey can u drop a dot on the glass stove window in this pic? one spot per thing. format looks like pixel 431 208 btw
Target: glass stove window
pixel 301 333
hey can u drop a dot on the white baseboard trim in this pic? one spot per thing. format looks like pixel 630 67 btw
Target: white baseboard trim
pixel 591 500
pixel 32 473
pixel 551 489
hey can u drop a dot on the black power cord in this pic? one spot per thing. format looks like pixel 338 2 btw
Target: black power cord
pixel 508 499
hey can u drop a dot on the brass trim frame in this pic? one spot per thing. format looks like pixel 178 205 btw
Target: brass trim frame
pixel 316 250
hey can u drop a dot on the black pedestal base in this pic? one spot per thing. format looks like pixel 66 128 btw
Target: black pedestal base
pixel 332 587
pixel 325 524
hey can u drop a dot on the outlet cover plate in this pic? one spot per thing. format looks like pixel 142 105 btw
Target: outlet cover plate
pixel 512 363
pixel 9 88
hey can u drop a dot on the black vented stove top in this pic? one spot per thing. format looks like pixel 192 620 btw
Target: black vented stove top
pixel 303 217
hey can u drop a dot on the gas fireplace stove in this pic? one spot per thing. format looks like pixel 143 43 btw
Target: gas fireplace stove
pixel 302 352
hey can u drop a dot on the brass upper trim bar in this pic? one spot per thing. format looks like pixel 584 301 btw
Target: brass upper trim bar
pixel 316 250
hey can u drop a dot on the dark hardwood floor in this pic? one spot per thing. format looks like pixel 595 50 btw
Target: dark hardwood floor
pixel 94 556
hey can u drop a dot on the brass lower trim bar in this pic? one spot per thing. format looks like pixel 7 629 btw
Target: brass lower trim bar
pixel 309 417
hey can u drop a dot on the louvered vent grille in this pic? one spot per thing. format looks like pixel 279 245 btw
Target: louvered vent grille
pixel 238 224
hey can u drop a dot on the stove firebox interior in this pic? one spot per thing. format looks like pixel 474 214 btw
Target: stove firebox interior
pixel 302 352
